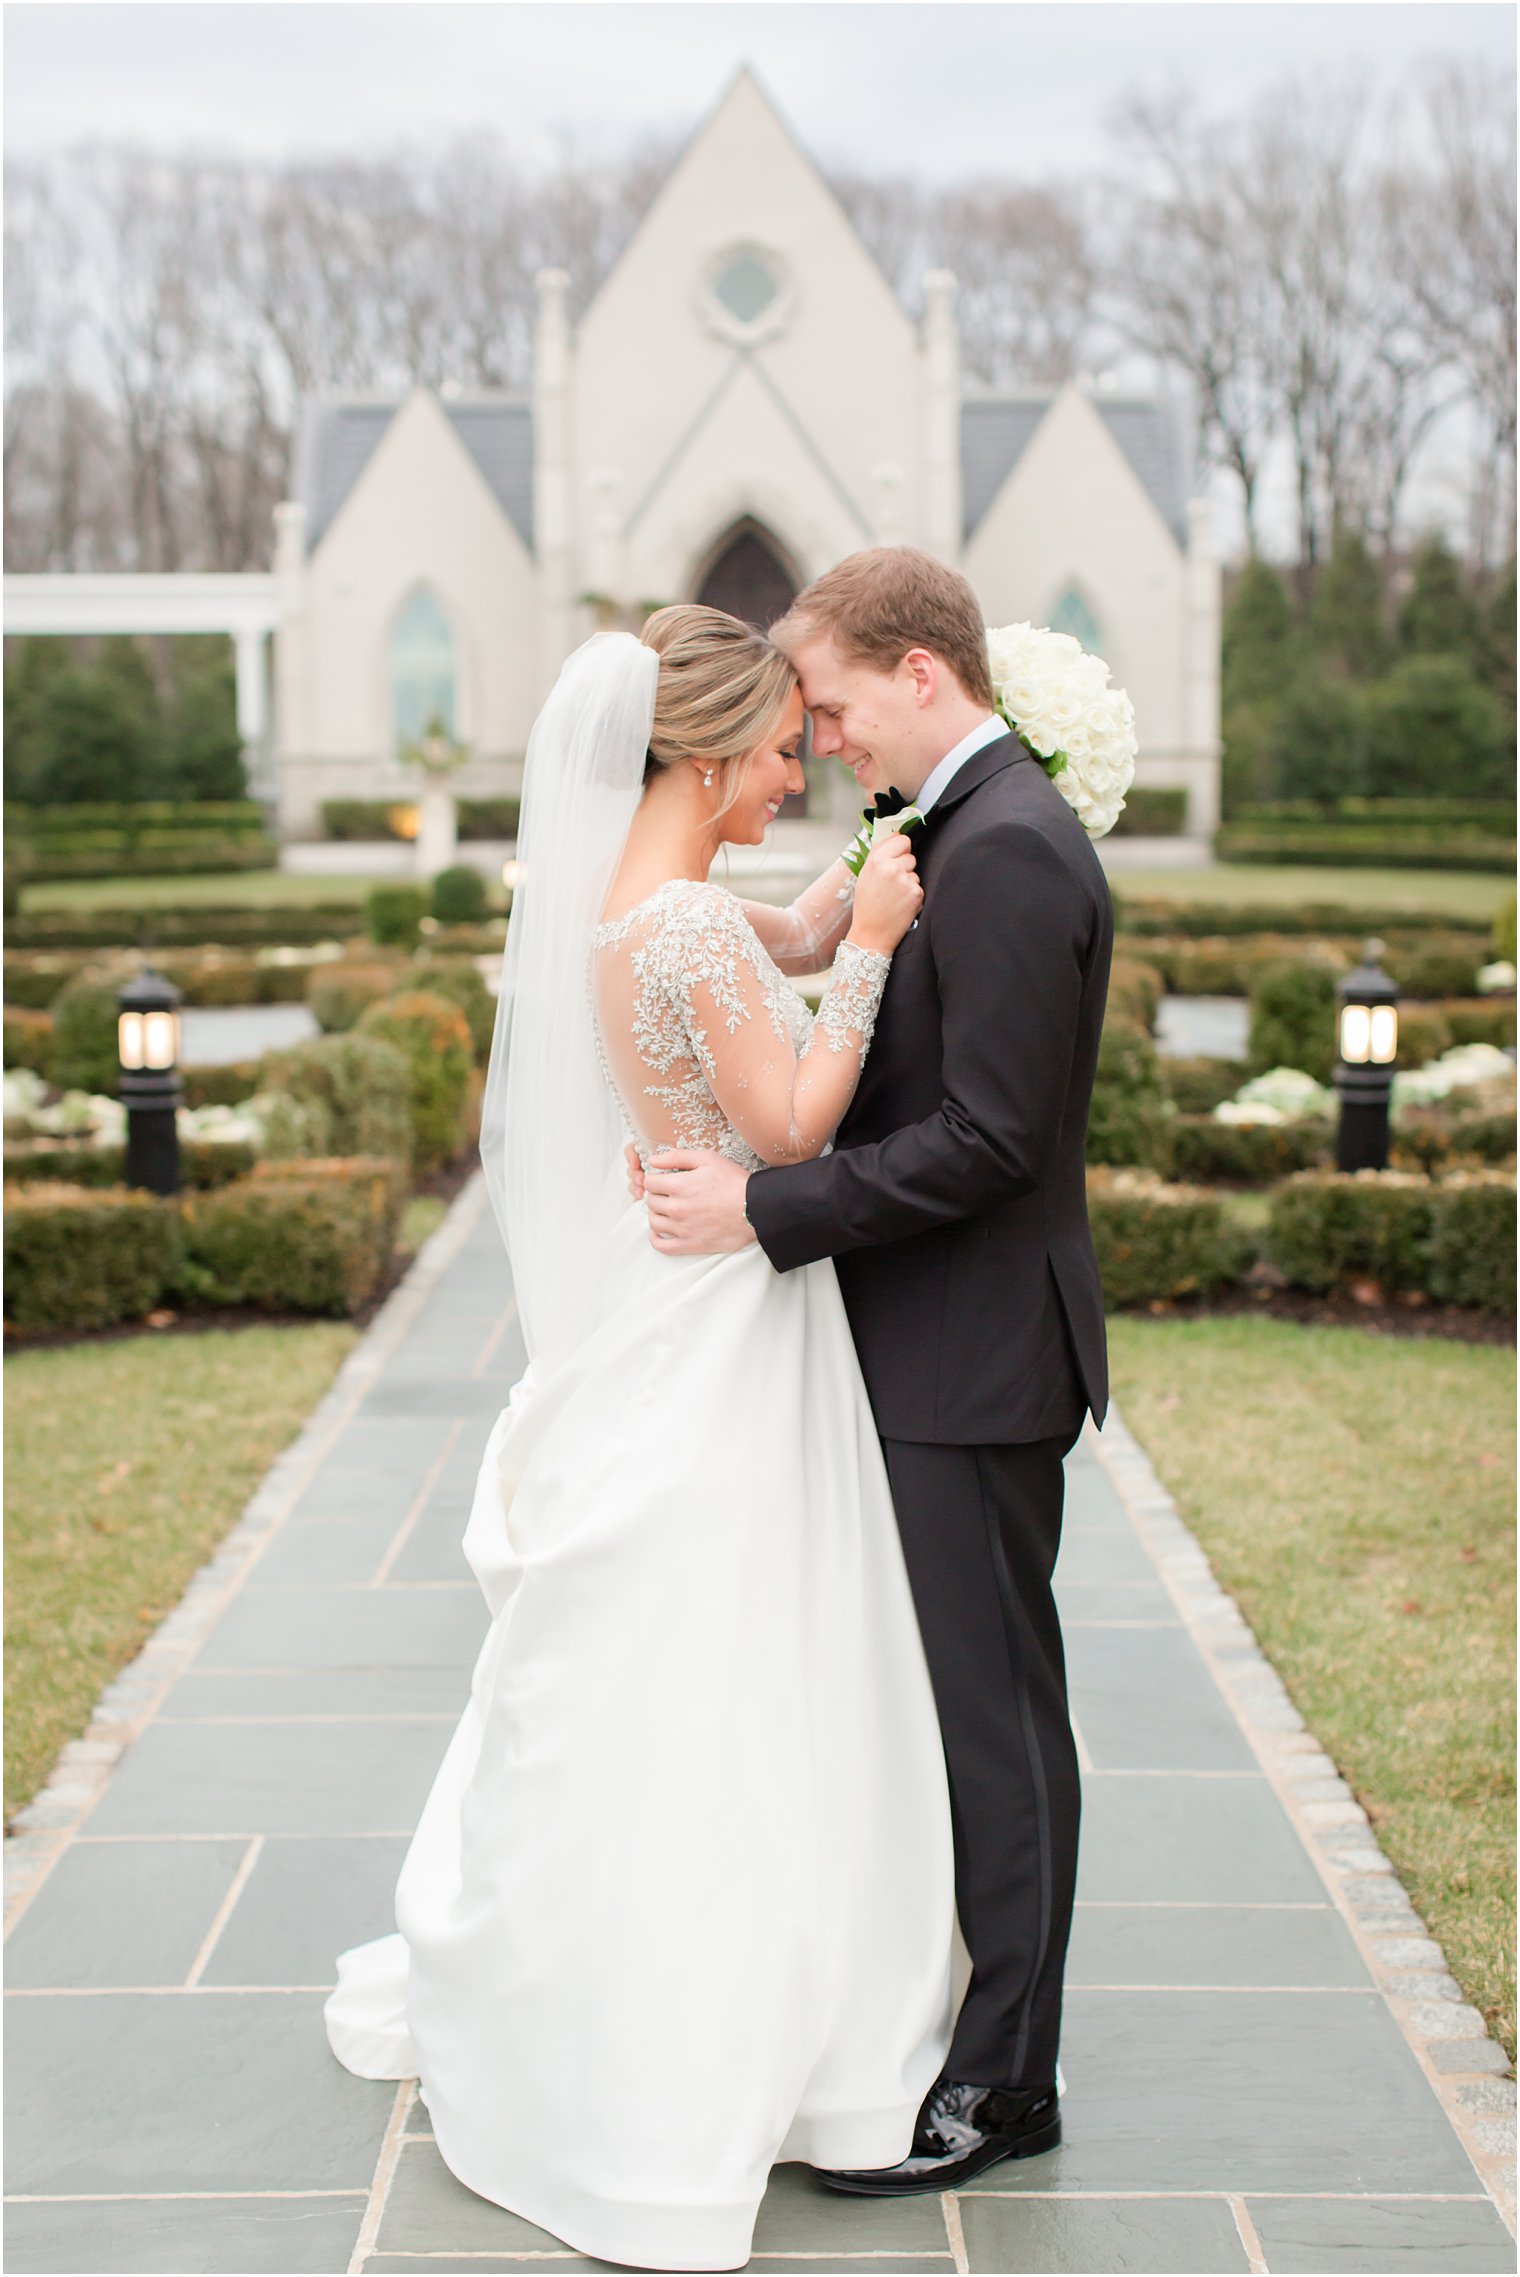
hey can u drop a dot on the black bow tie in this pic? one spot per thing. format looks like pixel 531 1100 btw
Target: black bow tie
pixel 889 801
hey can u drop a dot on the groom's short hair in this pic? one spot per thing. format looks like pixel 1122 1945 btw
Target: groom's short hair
pixel 875 606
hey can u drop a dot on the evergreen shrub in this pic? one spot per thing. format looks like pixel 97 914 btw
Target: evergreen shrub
pixel 367 818
pixel 28 1039
pixel 339 993
pixel 1131 1116
pixel 1152 813
pixel 1293 1007
pixel 298 1237
pixel 1198 1085
pixel 1432 726
pixel 1479 1020
pixel 393 915
pixel 1135 990
pixel 1424 1033
pixel 1328 1227
pixel 459 896
pixel 1155 1241
pixel 460 981
pixel 1145 915
pixel 84 1015
pixel 1441 1137
pixel 1440 965
pixel 1472 1241
pixel 487 818
pixel 202 1162
pixel 227 1084
pixel 434 1037
pixel 360 1088
pixel 1260 640
pixel 167 925
pixel 81 1259
pixel 1246 1154
pixel 1318 742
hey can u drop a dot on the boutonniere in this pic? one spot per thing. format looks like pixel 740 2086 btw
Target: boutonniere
pixel 876 823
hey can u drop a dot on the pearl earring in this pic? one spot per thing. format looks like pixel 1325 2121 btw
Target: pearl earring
pixel 707 778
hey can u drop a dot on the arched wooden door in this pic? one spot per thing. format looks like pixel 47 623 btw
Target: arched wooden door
pixel 748 578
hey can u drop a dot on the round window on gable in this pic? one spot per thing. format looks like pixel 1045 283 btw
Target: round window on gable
pixel 746 286
pixel 745 291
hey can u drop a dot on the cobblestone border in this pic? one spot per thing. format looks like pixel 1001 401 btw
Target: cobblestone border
pixel 83 1770
pixel 1468 2070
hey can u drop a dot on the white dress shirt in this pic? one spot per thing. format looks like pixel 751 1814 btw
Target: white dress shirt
pixel 986 731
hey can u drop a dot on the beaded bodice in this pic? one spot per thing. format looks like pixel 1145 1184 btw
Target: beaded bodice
pixel 699 1014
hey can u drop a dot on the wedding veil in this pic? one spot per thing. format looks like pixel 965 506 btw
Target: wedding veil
pixel 549 1132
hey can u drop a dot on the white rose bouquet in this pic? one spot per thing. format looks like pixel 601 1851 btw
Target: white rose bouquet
pixel 1058 699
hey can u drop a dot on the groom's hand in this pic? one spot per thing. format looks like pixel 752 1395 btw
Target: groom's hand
pixel 635 1173
pixel 696 1203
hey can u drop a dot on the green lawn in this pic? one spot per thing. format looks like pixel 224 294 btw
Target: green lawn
pixel 1356 1495
pixel 232 889
pixel 1456 893
pixel 126 1461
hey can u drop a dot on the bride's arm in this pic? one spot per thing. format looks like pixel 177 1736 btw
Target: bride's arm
pixel 784 1103
pixel 803 937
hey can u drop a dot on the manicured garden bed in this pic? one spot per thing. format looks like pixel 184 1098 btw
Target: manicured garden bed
pixel 1356 1497
pixel 1286 885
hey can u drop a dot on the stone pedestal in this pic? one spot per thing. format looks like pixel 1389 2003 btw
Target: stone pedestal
pixel 437 830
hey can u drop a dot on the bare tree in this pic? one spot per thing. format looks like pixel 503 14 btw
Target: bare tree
pixel 1028 280
pixel 1460 273
pixel 888 213
pixel 1318 296
pixel 1190 285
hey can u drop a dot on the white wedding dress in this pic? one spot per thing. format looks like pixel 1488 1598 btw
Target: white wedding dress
pixel 680 1904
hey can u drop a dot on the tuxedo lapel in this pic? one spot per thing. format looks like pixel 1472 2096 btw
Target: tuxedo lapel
pixel 992 758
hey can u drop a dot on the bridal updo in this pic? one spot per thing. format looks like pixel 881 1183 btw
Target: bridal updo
pixel 721 689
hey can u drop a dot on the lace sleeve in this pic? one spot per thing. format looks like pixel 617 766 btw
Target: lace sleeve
pixel 802 937
pixel 781 1082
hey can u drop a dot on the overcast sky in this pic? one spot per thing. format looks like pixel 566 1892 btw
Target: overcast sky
pixel 942 89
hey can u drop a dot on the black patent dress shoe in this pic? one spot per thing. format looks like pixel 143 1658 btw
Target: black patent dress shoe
pixel 961 2131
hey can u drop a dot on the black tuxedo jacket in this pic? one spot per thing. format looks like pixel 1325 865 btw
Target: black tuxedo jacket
pixel 955 1199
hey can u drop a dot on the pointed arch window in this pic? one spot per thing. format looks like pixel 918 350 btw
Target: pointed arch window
pixel 1071 614
pixel 422 669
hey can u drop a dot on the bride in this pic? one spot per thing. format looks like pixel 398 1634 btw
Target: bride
pixel 680 1903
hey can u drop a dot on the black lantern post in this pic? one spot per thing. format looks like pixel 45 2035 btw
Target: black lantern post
pixel 1369 1044
pixel 147 1044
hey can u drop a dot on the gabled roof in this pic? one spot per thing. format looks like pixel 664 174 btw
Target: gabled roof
pixel 744 81
pixel 995 430
pixel 341 434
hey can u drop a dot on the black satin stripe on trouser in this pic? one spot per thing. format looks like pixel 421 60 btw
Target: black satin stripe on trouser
pixel 980 1529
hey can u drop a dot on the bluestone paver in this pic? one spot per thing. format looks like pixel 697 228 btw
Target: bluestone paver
pixel 1244 2084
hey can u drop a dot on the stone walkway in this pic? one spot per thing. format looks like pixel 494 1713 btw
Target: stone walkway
pixel 1266 2067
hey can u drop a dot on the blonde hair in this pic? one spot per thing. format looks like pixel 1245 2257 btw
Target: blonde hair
pixel 875 606
pixel 722 688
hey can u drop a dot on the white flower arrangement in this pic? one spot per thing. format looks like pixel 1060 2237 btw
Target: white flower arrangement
pixel 1058 698
pixel 1455 1070
pixel 1282 1095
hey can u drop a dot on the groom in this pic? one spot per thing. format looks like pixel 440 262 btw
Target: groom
pixel 954 1205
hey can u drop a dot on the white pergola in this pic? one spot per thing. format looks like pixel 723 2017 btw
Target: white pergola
pixel 244 605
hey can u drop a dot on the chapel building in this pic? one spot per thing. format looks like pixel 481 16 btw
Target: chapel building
pixel 742 403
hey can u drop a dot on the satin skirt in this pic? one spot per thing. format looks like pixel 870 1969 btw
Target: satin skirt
pixel 680 1905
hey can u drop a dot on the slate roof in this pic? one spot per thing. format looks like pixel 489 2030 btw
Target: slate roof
pixel 340 436
pixel 996 429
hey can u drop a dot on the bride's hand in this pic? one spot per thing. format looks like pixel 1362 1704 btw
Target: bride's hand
pixel 888 895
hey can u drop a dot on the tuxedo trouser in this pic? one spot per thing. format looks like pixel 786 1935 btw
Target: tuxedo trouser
pixel 980 1530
